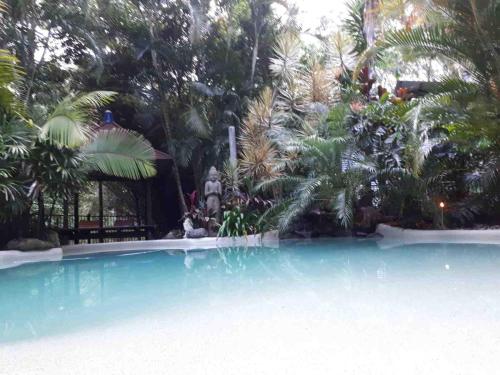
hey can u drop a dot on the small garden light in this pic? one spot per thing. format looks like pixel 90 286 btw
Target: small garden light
pixel 441 204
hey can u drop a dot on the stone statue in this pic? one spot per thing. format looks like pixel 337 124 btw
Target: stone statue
pixel 190 232
pixel 213 192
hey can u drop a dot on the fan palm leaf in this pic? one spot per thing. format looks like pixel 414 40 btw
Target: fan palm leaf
pixel 121 153
pixel 73 120
pixel 197 122
pixel 10 72
pixel 468 36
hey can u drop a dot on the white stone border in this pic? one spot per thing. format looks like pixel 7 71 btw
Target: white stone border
pixel 393 236
pixel 15 258
pixel 268 239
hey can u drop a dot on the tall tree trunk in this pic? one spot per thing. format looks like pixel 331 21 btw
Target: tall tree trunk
pixel 197 174
pixel 371 27
pixel 34 71
pixel 166 122
pixel 255 52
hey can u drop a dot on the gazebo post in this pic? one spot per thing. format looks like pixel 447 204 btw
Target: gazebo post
pixel 65 214
pixel 137 209
pixel 76 217
pixel 101 212
pixel 41 216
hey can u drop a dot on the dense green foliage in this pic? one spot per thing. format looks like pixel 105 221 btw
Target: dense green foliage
pixel 319 134
pixel 398 153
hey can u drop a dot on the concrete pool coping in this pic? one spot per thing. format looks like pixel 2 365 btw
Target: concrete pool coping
pixel 391 237
pixel 268 239
pixel 15 258
pixel 394 237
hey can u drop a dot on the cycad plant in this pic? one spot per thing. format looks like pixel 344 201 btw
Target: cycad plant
pixel 327 174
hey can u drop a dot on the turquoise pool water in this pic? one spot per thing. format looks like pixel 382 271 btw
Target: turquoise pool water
pixel 340 287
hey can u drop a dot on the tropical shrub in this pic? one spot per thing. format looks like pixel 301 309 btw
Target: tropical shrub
pixel 465 102
pixel 237 223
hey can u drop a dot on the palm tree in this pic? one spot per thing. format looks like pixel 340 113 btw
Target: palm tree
pixel 116 152
pixel 327 173
pixel 68 145
pixel 289 146
pixel 467 35
pixel 15 137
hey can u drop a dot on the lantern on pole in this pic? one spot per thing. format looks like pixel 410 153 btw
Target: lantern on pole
pixel 441 205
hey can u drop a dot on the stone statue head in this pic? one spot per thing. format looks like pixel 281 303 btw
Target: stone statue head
pixel 213 175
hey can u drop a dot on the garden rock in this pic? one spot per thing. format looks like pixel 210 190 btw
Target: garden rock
pixel 30 244
pixel 197 233
pixel 190 232
pixel 173 235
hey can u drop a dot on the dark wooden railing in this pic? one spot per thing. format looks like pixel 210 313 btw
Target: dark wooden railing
pixel 88 229
pixel 57 221
pixel 93 228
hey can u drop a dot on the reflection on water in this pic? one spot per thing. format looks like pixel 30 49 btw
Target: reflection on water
pixel 49 298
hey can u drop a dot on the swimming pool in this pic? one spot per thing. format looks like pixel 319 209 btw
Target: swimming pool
pixel 319 307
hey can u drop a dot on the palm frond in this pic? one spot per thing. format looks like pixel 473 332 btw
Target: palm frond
pixel 121 153
pixel 286 62
pixel 10 72
pixel 65 130
pixel 9 68
pixel 93 100
pixel 72 121
pixel 197 122
pixel 354 23
pixel 281 182
pixel 302 198
pixel 344 208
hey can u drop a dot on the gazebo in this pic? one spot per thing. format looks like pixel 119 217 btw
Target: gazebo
pixel 99 228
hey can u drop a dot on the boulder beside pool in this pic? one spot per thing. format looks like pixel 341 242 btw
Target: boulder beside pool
pixel 35 244
pixel 29 244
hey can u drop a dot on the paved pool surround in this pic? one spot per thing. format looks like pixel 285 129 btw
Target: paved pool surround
pixel 15 258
